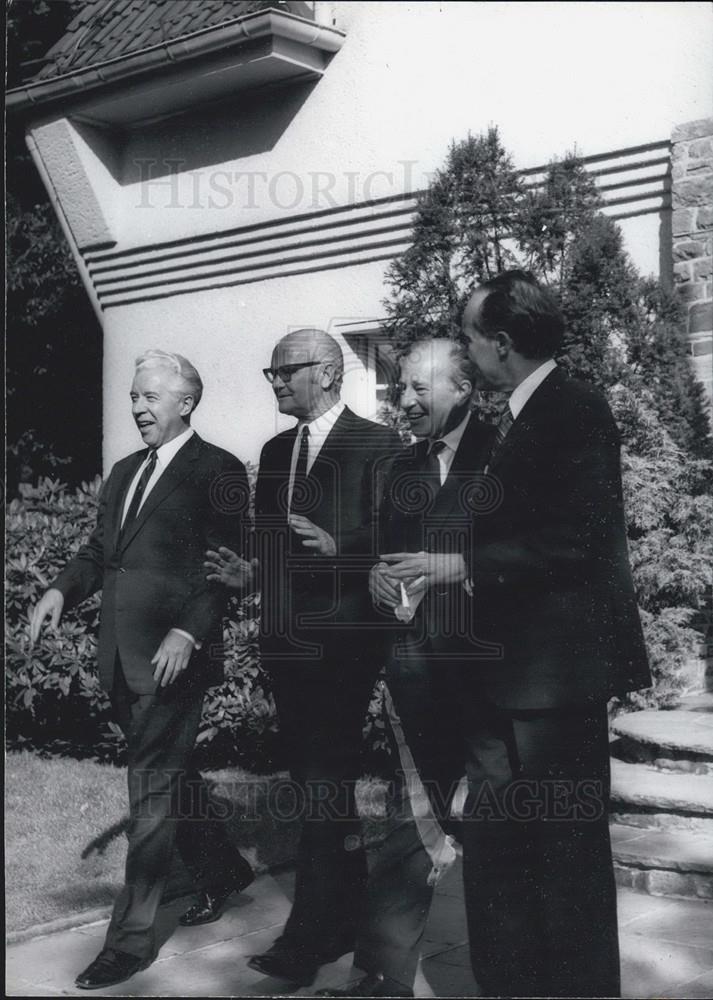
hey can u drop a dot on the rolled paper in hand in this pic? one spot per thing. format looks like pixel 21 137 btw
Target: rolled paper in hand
pixel 410 599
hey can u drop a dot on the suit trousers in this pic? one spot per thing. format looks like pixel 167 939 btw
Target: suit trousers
pixel 168 802
pixel 407 864
pixel 538 874
pixel 321 707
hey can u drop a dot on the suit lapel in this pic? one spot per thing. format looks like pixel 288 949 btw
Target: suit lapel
pixel 468 459
pixel 274 476
pixel 122 489
pixel 283 454
pixel 540 402
pixel 334 452
pixel 334 441
pixel 177 471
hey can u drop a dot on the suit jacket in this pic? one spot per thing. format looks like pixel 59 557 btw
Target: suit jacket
pixel 153 578
pixel 418 514
pixel 549 562
pixel 316 607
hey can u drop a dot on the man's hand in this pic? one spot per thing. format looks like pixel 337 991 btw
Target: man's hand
pixel 313 537
pixel 171 657
pixel 50 605
pixel 384 590
pixel 438 568
pixel 227 567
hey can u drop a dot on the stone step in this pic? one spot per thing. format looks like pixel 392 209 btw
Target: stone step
pixel 681 734
pixel 639 788
pixel 701 701
pixel 663 862
pixel 677 761
pixel 664 821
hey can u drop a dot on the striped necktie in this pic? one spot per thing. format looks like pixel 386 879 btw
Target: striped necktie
pixel 501 430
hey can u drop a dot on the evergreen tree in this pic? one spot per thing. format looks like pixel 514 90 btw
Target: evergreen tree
pixel 461 237
pixel 623 333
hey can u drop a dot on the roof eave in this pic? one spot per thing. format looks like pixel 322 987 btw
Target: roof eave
pixel 41 95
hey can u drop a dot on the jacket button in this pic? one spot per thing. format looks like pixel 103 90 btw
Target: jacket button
pixel 121 569
pixel 501 578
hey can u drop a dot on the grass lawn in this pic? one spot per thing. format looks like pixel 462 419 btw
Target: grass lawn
pixel 55 807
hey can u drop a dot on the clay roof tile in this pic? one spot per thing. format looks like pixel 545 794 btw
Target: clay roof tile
pixel 105 29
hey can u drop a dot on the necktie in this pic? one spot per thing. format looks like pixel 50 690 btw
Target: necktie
pixel 434 450
pixel 433 466
pixel 139 491
pixel 501 429
pixel 299 484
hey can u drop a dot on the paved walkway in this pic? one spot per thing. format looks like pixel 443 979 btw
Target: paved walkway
pixel 667 950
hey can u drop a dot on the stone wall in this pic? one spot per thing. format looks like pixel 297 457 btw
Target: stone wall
pixel 692 201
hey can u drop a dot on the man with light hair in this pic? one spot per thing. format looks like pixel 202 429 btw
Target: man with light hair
pixel 182 368
pixel 160 644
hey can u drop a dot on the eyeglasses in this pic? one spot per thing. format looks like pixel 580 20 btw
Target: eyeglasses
pixel 286 372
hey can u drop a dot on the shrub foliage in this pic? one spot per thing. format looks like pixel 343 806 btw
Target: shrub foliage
pixel 53 693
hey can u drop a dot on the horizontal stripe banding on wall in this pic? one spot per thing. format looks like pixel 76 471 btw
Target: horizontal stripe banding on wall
pixel 631 183
pixel 247 251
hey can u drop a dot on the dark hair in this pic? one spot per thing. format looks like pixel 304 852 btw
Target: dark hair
pixel 525 310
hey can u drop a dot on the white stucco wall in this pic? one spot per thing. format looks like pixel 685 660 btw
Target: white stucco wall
pixel 410 78
pixel 229 335
pixel 554 77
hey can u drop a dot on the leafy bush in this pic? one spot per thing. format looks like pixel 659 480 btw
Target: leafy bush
pixel 52 691
pixel 239 721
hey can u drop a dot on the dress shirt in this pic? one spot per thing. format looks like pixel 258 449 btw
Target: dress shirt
pixel 164 456
pixel 451 440
pixel 526 388
pixel 319 428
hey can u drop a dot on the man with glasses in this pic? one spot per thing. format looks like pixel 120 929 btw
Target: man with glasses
pixel 314 543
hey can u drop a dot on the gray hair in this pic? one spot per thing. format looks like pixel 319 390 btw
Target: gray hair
pixel 463 367
pixel 177 364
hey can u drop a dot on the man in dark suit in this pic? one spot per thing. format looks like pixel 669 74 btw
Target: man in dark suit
pixel 553 590
pixel 314 544
pixel 425 525
pixel 160 643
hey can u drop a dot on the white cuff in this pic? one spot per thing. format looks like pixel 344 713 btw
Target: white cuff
pixel 188 635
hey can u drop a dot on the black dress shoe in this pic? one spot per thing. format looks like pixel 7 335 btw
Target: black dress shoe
pixel 370 986
pixel 285 962
pixel 211 902
pixel 110 967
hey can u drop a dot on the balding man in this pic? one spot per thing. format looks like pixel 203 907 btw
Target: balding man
pixel 159 643
pixel 315 542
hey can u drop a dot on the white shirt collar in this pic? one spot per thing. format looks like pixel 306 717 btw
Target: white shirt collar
pixel 322 425
pixel 453 438
pixel 528 385
pixel 164 455
pixel 170 449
